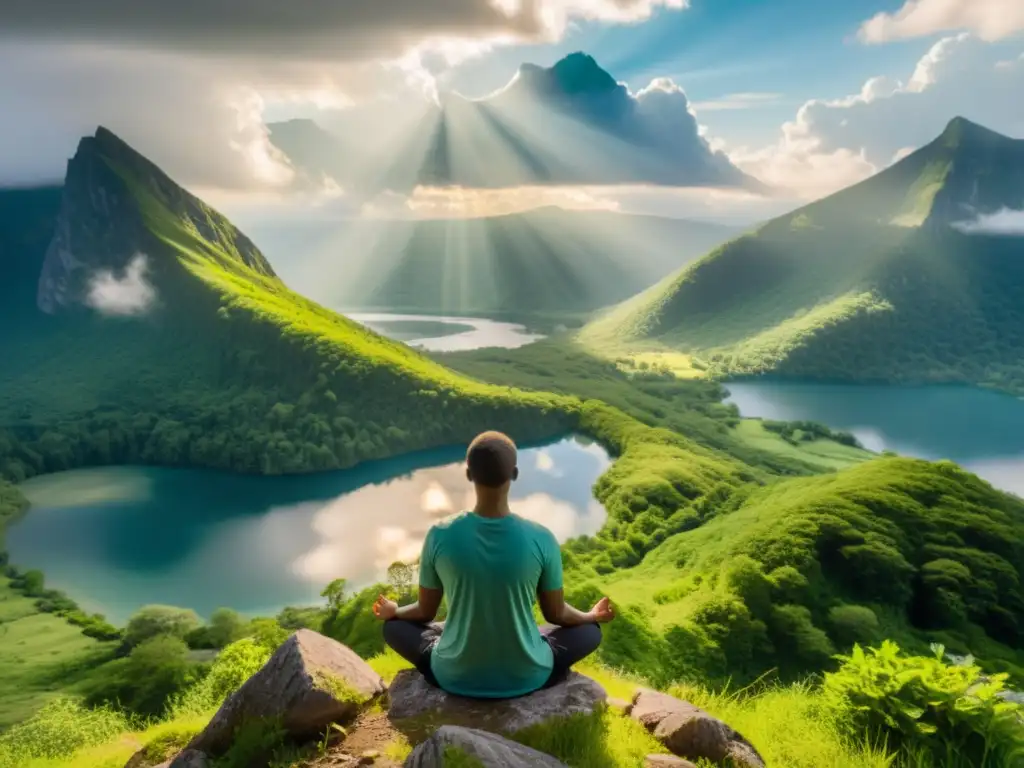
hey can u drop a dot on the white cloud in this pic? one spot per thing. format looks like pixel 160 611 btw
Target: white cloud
pixel 833 143
pixel 732 101
pixel 199 121
pixel 1004 222
pixel 124 296
pixel 988 19
pixel 187 84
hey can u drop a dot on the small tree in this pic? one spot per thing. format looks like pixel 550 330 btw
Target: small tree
pixel 225 627
pixel 32 583
pixel 400 577
pixel 154 620
pixel 335 594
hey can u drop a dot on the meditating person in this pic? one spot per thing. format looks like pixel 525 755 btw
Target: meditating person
pixel 492 565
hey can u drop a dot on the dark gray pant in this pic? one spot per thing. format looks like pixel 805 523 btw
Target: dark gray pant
pixel 414 642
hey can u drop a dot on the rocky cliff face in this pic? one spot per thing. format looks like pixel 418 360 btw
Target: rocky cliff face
pixel 102 225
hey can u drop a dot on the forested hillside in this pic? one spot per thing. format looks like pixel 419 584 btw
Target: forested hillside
pixel 202 356
pixel 873 283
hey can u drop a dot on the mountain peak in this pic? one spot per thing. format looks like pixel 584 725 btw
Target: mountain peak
pixel 576 73
pixel 115 207
pixel 960 131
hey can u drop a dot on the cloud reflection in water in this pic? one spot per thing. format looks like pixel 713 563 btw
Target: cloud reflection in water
pixel 363 532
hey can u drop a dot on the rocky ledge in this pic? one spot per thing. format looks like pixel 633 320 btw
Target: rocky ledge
pixel 416 705
pixel 312 682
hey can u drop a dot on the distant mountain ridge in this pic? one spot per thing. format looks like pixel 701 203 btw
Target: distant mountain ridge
pixel 872 283
pixel 570 123
pixel 547 260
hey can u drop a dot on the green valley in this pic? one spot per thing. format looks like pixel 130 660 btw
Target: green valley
pixel 879 282
pixel 751 562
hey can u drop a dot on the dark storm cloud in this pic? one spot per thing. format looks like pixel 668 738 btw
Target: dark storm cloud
pixel 342 29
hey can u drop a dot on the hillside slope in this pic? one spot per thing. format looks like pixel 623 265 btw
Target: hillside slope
pixel 163 335
pixel 876 282
pixel 542 260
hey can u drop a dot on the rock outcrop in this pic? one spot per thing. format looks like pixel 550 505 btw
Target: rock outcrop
pixel 417 706
pixel 690 732
pixel 310 682
pixel 101 227
pixel 490 750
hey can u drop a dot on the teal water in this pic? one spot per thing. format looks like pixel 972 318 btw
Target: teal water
pixel 977 428
pixel 119 538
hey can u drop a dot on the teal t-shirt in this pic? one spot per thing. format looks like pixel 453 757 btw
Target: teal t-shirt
pixel 490 570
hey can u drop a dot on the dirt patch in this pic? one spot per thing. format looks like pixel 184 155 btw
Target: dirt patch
pixel 367 742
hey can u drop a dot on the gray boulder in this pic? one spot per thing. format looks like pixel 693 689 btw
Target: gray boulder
pixel 417 706
pixel 491 750
pixel 690 732
pixel 310 682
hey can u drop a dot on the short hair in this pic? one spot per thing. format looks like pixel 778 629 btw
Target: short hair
pixel 491 459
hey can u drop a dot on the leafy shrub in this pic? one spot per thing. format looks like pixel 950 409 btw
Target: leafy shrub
pixel 232 667
pixel 157 670
pixel 153 620
pixel 258 742
pixel 852 625
pixel 225 626
pixel 58 730
pixel 293 618
pixel 952 713
pixel 800 644
pixel 788 585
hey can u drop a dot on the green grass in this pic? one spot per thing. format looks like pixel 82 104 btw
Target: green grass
pixel 784 723
pixel 655 396
pixel 788 725
pixel 824 454
pixel 40 656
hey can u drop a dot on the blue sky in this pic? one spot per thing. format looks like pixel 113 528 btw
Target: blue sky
pixel 195 86
pixel 798 49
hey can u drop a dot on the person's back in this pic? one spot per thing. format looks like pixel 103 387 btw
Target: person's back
pixel 491 569
pixel 492 565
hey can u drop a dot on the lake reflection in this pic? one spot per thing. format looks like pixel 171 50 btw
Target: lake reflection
pixel 979 429
pixel 119 538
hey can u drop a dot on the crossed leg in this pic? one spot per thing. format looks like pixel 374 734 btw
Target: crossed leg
pixel 414 641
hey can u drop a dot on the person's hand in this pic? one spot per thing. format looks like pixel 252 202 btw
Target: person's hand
pixel 603 612
pixel 384 609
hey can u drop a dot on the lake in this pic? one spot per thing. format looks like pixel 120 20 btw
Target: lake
pixel 445 334
pixel 119 538
pixel 979 429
